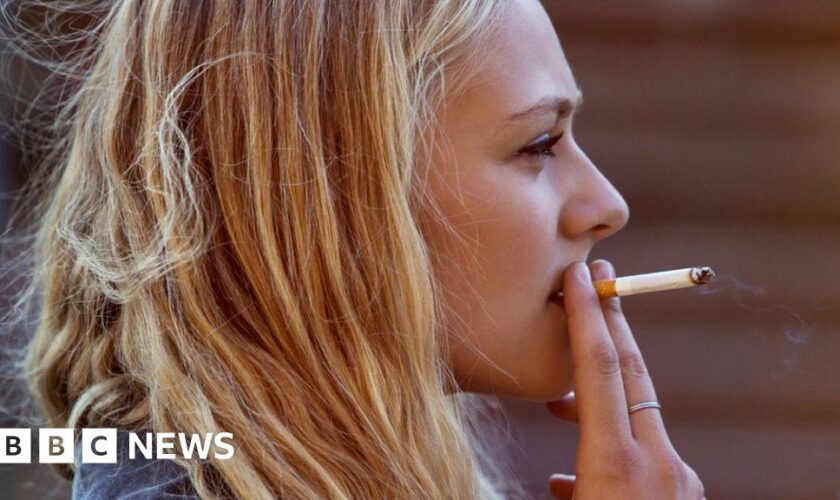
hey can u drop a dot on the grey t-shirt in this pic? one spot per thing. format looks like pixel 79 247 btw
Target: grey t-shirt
pixel 136 479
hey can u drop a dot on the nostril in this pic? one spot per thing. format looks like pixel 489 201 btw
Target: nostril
pixel 601 227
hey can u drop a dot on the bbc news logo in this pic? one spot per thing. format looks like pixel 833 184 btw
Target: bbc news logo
pixel 58 446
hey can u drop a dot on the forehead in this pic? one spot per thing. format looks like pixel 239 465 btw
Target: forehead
pixel 520 64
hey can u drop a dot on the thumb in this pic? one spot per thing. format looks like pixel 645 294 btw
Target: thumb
pixel 562 486
pixel 564 408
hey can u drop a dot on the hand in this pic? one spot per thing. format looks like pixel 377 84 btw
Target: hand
pixel 619 455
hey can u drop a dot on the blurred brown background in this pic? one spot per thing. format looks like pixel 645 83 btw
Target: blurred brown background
pixel 720 124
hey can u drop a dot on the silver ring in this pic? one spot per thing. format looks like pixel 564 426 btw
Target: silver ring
pixel 646 404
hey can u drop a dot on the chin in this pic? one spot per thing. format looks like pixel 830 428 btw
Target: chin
pixel 548 385
pixel 537 368
pixel 544 395
pixel 548 376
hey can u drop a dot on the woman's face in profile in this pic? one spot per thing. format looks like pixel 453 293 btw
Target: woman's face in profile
pixel 525 205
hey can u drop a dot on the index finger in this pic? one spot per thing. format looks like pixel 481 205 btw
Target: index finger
pixel 599 387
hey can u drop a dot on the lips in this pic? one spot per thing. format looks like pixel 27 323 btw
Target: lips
pixel 557 282
pixel 556 290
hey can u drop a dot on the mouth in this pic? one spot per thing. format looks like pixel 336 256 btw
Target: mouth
pixel 555 295
pixel 556 299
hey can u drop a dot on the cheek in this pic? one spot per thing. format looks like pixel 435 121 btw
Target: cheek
pixel 517 247
pixel 505 240
pixel 517 236
pixel 501 327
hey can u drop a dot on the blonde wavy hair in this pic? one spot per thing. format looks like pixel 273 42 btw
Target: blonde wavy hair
pixel 229 239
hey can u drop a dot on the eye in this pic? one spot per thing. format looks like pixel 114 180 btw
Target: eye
pixel 542 148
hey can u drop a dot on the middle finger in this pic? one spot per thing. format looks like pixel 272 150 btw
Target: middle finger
pixel 646 424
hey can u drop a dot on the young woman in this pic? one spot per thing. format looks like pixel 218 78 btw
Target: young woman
pixel 317 226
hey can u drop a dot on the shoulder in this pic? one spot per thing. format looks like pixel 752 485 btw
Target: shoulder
pixel 131 479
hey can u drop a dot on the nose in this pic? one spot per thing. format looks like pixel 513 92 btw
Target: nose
pixel 593 207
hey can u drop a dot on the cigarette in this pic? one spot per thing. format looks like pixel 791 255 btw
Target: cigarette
pixel 653 282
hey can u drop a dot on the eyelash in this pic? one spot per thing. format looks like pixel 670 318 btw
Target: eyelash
pixel 542 148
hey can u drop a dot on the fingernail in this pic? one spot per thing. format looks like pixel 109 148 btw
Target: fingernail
pixel 602 270
pixel 610 269
pixel 582 273
pixel 562 477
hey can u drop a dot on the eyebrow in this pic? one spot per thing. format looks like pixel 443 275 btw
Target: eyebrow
pixel 562 106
